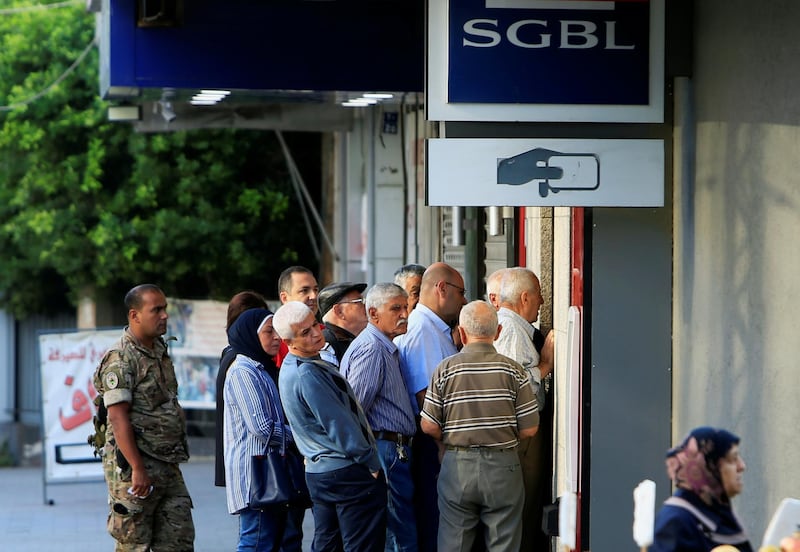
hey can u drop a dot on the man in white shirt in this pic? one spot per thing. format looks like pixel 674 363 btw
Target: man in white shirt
pixel 519 300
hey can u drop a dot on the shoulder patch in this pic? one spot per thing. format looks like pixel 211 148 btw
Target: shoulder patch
pixel 111 380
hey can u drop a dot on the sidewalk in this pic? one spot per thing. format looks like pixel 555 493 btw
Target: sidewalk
pixel 76 520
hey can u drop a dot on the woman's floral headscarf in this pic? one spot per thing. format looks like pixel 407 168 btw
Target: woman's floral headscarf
pixel 694 464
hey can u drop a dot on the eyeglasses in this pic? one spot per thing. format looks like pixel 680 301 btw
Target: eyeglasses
pixel 461 290
pixel 359 300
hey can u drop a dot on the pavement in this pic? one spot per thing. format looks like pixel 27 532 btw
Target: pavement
pixel 76 521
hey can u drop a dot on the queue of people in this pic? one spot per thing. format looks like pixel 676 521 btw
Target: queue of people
pixel 411 439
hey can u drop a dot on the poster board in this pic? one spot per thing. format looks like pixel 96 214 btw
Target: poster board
pixel 69 357
pixel 199 329
pixel 67 361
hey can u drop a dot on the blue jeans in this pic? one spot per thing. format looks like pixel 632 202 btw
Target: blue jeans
pixel 293 535
pixel 270 531
pixel 349 510
pixel 401 525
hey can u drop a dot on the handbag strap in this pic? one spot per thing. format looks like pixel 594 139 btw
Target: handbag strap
pixel 279 408
pixel 281 419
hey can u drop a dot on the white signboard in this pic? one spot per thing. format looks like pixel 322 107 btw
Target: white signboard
pixel 68 361
pixel 483 172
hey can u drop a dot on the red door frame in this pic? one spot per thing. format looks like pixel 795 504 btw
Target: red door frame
pixel 577 247
pixel 577 244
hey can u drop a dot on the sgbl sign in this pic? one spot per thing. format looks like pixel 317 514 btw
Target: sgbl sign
pixel 568 52
pixel 539 33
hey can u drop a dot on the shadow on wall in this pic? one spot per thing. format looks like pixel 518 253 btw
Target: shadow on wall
pixel 735 334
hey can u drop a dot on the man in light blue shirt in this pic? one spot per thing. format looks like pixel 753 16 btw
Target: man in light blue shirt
pixel 426 343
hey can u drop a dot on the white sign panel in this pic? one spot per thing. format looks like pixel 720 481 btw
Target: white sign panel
pixel 68 361
pixel 483 172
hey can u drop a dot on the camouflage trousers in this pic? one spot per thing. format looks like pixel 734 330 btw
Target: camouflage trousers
pixel 162 522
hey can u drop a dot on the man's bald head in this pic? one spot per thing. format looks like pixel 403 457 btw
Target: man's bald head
pixel 437 272
pixel 478 323
pixel 442 290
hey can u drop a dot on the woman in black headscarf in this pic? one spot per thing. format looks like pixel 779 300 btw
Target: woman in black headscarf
pixel 254 422
pixel 707 471
pixel 239 303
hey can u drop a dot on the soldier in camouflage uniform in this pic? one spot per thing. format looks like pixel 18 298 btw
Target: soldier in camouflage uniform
pixel 150 507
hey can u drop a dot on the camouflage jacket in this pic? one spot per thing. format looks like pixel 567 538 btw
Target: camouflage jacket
pixel 130 372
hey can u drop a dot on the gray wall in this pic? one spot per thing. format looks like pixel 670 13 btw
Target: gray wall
pixel 6 368
pixel 737 218
pixel 629 365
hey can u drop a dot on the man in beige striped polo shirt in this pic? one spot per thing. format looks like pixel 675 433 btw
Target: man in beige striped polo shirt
pixel 479 404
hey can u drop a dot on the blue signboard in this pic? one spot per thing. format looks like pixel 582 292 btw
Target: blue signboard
pixel 278 45
pixel 549 52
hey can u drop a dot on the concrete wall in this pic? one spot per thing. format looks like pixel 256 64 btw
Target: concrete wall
pixel 736 262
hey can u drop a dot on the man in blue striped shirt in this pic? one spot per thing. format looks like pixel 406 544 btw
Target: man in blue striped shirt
pixel 372 367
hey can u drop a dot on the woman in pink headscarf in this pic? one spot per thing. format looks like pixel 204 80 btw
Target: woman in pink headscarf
pixel 707 472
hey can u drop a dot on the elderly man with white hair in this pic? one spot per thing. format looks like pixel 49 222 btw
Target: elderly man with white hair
pixel 409 277
pixel 519 300
pixel 343 471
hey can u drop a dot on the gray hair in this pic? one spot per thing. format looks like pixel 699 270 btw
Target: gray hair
pixel 494 281
pixel 404 272
pixel 514 282
pixel 289 314
pixel 380 294
pixel 479 319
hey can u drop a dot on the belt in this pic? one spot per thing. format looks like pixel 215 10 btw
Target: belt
pixel 479 449
pixel 394 437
